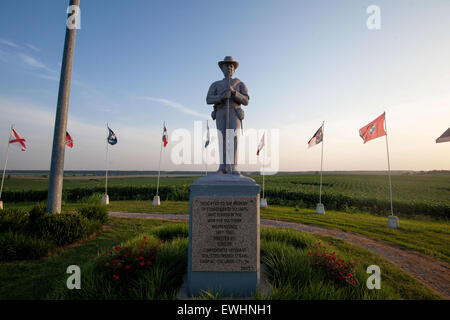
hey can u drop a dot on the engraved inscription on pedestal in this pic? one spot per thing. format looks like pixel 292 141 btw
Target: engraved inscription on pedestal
pixel 225 233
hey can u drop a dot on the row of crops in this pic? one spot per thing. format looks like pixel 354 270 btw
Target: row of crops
pixel 413 195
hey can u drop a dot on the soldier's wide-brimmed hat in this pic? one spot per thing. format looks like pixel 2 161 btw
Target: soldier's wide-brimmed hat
pixel 228 59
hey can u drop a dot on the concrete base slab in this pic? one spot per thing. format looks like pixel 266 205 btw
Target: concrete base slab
pixel 320 209
pixel 105 199
pixel 264 290
pixel 224 233
pixel 393 222
pixel 263 203
pixel 156 201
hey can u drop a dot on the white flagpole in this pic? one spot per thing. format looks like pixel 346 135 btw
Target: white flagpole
pixel 321 163
pixel 6 161
pixel 206 151
pixel 107 160
pixel 264 156
pixel 159 166
pixel 389 165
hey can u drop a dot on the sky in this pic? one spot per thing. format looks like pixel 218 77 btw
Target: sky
pixel 140 63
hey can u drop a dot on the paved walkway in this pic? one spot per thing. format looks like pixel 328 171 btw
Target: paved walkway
pixel 431 272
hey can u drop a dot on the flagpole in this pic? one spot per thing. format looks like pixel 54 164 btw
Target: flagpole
pixel 321 163
pixel 206 150
pixel 389 165
pixel 107 160
pixel 264 157
pixel 159 166
pixel 6 161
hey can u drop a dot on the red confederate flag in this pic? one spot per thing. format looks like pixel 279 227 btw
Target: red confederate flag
pixel 17 139
pixel 374 129
pixel 69 141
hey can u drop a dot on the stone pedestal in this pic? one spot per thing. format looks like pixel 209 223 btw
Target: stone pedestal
pixel 263 203
pixel 320 209
pixel 105 199
pixel 1 205
pixel 156 201
pixel 393 222
pixel 224 231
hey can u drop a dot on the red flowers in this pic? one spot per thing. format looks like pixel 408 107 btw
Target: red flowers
pixel 126 262
pixel 335 267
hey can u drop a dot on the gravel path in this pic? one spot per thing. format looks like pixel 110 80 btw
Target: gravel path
pixel 431 272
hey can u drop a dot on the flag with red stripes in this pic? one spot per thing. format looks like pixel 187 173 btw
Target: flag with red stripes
pixel 16 138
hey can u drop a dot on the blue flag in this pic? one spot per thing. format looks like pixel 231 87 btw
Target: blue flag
pixel 207 135
pixel 112 139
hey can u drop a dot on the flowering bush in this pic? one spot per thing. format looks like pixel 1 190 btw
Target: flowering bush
pixel 126 262
pixel 335 267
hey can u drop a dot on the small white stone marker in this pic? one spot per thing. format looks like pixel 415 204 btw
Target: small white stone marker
pixel 320 209
pixel 263 203
pixel 393 222
pixel 105 199
pixel 156 201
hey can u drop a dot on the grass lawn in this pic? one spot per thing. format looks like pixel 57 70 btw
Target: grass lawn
pixel 284 251
pixel 423 235
pixel 36 279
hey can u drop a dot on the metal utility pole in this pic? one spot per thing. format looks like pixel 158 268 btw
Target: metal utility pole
pixel 62 110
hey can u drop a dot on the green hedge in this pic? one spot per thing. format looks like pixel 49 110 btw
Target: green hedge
pixel 19 246
pixel 31 235
pixel 275 196
pixel 94 212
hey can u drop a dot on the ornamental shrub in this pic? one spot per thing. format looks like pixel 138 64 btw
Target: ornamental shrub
pixel 13 220
pixel 19 246
pixel 127 262
pixel 94 212
pixel 336 268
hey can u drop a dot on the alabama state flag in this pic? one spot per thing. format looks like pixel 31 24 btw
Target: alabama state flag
pixel 374 129
pixel 16 138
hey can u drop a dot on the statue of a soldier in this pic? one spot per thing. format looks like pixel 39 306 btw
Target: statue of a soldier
pixel 227 96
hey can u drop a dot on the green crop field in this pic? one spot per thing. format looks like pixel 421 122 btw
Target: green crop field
pixel 413 194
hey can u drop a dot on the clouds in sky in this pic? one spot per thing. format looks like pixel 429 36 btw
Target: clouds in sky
pixel 25 59
pixel 8 43
pixel 178 106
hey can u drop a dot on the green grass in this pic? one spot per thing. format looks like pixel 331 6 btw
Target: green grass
pixel 35 279
pixel 421 234
pixel 425 236
pixel 293 277
pixel 284 252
